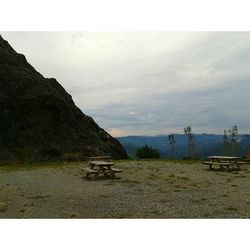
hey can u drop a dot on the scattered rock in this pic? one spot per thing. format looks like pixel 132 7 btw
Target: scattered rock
pixel 29 204
pixel 73 215
pixel 40 196
pixel 3 207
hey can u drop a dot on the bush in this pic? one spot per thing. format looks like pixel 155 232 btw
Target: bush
pixel 147 152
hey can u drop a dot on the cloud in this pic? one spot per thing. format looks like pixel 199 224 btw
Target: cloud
pixel 116 132
pixel 133 113
pixel 148 82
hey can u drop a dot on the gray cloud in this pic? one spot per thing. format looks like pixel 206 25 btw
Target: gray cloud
pixel 148 83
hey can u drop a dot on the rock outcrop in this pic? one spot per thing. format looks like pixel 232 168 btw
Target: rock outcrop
pixel 39 120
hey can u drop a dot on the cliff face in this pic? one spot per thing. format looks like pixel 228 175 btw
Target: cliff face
pixel 39 120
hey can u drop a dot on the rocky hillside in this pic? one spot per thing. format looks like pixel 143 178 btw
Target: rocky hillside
pixel 39 120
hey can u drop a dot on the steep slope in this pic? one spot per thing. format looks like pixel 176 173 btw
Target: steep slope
pixel 39 120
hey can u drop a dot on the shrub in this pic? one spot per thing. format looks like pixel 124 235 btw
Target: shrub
pixel 147 152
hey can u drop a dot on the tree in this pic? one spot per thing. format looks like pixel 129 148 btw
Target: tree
pixel 171 141
pixel 234 139
pixel 225 140
pixel 190 136
pixel 230 139
pixel 147 152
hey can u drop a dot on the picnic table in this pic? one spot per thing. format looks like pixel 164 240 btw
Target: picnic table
pixel 98 167
pixel 224 161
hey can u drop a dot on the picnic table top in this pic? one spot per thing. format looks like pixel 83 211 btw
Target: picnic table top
pixel 100 157
pixel 101 163
pixel 223 157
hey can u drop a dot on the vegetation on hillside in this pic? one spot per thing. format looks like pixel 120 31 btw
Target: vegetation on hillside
pixel 147 152
pixel 205 144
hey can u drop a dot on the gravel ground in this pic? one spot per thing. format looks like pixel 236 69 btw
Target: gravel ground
pixel 145 189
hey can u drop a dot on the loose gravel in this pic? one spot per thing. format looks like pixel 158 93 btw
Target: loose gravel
pixel 145 189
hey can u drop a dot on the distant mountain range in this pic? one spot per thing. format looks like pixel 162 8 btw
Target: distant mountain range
pixel 205 144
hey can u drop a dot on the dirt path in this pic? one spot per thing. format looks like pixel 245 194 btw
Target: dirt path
pixel 145 189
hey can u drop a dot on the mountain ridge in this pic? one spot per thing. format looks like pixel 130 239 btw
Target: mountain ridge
pixel 39 119
pixel 205 144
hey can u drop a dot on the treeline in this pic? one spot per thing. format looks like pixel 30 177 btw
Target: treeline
pixel 230 142
pixel 178 146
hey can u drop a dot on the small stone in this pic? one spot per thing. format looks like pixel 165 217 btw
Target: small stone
pixel 72 215
pixel 29 204
pixel 3 207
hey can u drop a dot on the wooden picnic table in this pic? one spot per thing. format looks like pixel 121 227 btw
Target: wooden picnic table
pixel 224 161
pixel 101 168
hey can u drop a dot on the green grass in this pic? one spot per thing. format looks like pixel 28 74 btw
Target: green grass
pixel 153 176
pixel 230 208
pixel 13 166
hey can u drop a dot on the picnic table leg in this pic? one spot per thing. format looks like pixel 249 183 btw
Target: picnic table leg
pixel 237 166
pixel 95 175
pixel 88 175
pixel 210 166
pixel 111 172
pixel 221 167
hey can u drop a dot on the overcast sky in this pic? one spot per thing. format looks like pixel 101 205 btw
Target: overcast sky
pixel 148 83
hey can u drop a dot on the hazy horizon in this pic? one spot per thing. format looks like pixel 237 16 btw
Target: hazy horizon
pixel 156 135
pixel 148 83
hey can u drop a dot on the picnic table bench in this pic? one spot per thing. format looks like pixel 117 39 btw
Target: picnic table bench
pixel 97 168
pixel 224 161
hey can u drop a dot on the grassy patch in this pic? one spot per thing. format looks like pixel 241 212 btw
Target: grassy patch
pixel 104 195
pixel 39 196
pixel 30 166
pixel 109 184
pixel 230 208
pixel 177 190
pixel 241 176
pixel 163 201
pixel 3 207
pixel 156 212
pixel 161 190
pixel 153 176
pixel 130 181
pixel 182 181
